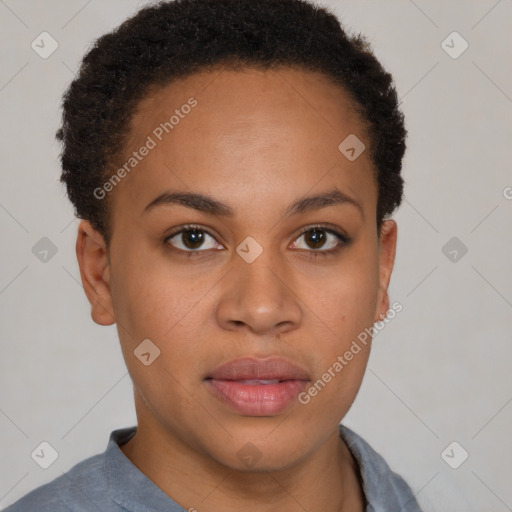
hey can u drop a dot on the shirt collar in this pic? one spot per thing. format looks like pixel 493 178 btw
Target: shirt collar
pixel 129 487
pixel 366 465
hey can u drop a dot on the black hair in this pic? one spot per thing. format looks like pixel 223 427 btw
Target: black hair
pixel 173 39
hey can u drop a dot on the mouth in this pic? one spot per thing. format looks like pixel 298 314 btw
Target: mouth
pixel 260 381
pixel 257 387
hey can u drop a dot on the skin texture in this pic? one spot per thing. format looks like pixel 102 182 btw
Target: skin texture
pixel 257 140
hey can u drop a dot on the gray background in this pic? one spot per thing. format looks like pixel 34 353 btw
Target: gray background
pixel 438 373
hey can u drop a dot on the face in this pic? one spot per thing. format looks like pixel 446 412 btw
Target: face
pixel 255 271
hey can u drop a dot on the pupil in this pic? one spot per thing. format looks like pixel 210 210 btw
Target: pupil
pixel 193 238
pixel 317 237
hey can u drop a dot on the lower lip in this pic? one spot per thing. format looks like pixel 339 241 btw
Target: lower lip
pixel 256 399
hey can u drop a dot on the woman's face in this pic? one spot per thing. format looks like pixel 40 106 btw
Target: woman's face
pixel 252 278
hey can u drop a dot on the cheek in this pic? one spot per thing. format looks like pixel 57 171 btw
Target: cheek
pixel 148 294
pixel 159 309
pixel 345 299
pixel 159 302
pixel 341 352
pixel 152 307
pixel 345 307
pixel 348 311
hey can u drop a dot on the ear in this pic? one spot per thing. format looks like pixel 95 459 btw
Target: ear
pixel 387 250
pixel 92 255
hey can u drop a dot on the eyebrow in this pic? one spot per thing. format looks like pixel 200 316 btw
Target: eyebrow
pixel 206 204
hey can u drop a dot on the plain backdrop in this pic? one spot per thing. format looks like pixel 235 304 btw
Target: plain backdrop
pixel 439 373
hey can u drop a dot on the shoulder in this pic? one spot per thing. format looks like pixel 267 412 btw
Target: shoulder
pixel 384 489
pixel 79 489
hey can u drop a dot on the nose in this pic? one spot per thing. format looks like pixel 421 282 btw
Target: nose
pixel 260 297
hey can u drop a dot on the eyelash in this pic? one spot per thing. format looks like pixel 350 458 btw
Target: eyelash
pixel 343 240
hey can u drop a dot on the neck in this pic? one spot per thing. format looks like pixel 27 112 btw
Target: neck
pixel 327 479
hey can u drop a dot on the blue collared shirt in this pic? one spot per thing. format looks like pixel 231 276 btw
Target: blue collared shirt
pixel 110 482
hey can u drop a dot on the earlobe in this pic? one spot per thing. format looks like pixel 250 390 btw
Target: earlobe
pixel 92 256
pixel 387 251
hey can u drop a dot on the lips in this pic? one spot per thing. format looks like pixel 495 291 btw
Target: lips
pixel 273 368
pixel 257 387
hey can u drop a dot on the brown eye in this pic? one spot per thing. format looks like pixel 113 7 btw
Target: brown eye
pixel 320 240
pixel 315 238
pixel 192 239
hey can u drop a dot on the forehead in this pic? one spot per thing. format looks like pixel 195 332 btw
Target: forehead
pixel 233 134
pixel 246 97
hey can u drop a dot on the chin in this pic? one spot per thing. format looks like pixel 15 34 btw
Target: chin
pixel 261 454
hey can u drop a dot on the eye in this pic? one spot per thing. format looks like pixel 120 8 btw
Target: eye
pixel 192 239
pixel 321 240
pixel 318 241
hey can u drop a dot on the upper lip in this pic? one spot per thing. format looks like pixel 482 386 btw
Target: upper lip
pixel 248 368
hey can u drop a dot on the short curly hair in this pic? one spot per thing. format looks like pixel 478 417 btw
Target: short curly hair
pixel 174 39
